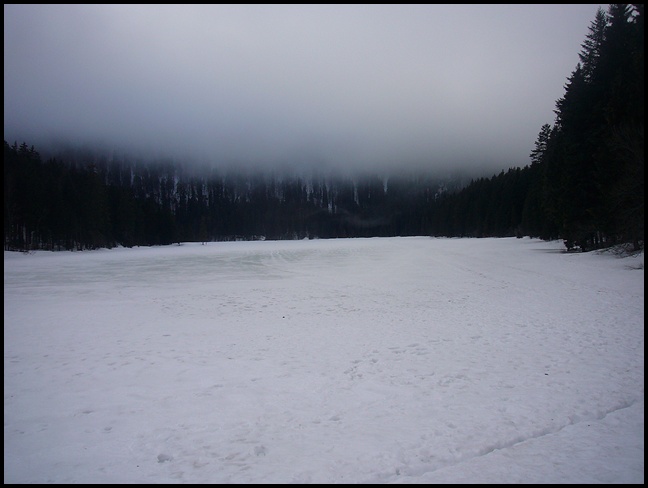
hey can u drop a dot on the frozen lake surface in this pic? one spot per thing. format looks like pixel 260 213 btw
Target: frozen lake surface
pixel 384 360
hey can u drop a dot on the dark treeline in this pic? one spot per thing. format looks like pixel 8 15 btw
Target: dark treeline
pixel 90 202
pixel 584 183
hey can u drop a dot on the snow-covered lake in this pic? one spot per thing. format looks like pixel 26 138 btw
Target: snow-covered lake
pixel 384 360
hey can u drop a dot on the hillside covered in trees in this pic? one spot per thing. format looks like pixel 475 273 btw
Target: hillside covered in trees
pixel 584 183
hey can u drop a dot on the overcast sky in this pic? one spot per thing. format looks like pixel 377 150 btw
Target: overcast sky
pixel 342 85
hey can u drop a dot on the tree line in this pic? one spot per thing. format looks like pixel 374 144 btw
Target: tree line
pixel 71 203
pixel 584 183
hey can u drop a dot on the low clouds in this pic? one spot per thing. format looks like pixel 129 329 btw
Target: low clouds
pixel 341 85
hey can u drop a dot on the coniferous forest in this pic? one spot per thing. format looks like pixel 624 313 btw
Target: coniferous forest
pixel 584 183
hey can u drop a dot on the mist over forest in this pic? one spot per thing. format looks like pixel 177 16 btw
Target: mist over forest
pixel 583 182
pixel 339 87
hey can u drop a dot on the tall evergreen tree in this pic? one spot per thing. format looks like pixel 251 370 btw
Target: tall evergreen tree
pixel 590 54
pixel 540 149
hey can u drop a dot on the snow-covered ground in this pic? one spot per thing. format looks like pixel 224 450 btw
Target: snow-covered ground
pixel 385 360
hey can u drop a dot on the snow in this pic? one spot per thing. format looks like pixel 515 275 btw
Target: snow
pixel 383 360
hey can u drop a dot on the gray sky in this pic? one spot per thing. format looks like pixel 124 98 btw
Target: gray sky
pixel 343 85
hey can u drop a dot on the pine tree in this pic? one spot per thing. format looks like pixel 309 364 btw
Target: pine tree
pixel 540 149
pixel 591 53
